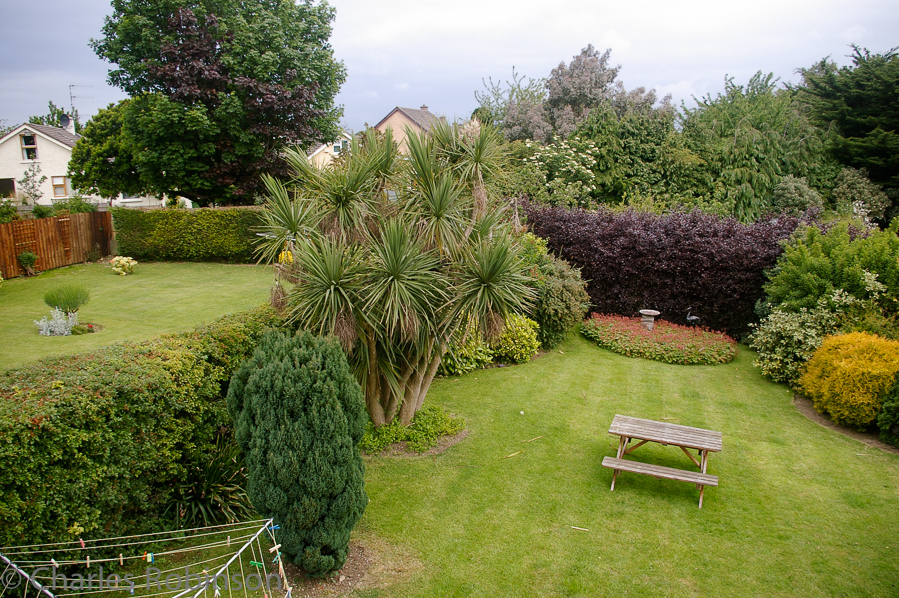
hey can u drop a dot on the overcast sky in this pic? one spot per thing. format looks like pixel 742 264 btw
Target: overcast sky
pixel 414 52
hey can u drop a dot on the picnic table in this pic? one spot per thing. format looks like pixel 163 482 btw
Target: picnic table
pixel 683 437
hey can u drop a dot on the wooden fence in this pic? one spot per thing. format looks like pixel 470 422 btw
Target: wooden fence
pixel 59 241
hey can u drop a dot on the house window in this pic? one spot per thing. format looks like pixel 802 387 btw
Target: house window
pixel 59 186
pixel 7 188
pixel 336 148
pixel 29 146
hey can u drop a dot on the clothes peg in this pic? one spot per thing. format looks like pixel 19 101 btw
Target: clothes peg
pixel 82 543
pixel 257 565
pixel 274 548
pixel 121 560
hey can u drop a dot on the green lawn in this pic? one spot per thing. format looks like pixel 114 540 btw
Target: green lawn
pixel 159 298
pixel 800 511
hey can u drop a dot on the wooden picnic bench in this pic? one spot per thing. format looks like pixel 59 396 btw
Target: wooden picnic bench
pixel 684 437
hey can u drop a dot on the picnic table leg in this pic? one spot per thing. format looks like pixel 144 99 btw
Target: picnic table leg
pixel 705 461
pixel 621 444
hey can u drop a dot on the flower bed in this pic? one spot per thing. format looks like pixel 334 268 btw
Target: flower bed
pixel 666 342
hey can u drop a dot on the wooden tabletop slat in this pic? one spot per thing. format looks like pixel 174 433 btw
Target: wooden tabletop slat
pixel 666 433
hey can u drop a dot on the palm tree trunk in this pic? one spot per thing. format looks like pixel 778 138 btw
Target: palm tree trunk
pixel 416 389
pixel 372 387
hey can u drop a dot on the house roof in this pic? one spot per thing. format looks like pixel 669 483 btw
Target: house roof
pixel 60 136
pixel 421 117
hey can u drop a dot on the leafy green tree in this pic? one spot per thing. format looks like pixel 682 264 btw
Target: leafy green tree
pixel 393 256
pixel 495 100
pixel 219 88
pixel 103 161
pixel 815 264
pixel 299 416
pixel 52 118
pixel 861 102
pixel 750 137
pixel 569 94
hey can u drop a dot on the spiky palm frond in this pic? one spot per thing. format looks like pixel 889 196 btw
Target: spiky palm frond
pixel 491 285
pixel 439 209
pixel 345 192
pixel 423 164
pixel 381 151
pixel 403 284
pixel 489 225
pixel 325 299
pixel 284 220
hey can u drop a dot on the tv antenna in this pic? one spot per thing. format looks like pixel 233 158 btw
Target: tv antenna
pixel 73 97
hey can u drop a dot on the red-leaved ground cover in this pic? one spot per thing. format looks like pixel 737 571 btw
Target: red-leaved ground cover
pixel 666 342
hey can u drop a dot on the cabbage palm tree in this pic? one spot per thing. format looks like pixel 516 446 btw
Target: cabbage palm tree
pixel 391 257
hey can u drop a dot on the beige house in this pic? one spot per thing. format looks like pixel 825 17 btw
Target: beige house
pixel 325 153
pixel 399 118
pixel 49 149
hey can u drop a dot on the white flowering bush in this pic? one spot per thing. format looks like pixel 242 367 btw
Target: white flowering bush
pixel 59 323
pixel 569 169
pixel 123 265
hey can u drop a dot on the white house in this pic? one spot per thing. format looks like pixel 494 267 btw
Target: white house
pixel 50 149
pixel 325 153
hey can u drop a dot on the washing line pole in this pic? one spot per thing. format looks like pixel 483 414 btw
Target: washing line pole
pixel 23 573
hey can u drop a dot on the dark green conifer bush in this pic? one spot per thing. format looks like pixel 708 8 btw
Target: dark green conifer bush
pixel 299 415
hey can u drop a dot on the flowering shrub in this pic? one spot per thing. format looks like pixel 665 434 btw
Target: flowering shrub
pixel 59 323
pixel 123 265
pixel 666 342
pixel 567 169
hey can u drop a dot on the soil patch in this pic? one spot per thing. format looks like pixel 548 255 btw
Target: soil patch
pixel 400 449
pixel 805 407
pixel 370 564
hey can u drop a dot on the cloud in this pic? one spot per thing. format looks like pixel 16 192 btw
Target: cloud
pixel 409 52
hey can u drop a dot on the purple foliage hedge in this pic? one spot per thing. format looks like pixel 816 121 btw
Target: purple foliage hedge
pixel 670 263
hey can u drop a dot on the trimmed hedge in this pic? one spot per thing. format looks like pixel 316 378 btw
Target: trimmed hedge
pixel 849 376
pixel 198 235
pixel 95 444
pixel 669 263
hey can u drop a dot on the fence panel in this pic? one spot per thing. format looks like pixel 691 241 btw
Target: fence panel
pixel 59 241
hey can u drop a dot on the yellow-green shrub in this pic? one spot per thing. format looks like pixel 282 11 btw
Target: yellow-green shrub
pixel 518 342
pixel 849 376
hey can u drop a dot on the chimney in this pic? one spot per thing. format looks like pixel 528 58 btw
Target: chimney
pixel 68 123
pixel 424 107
